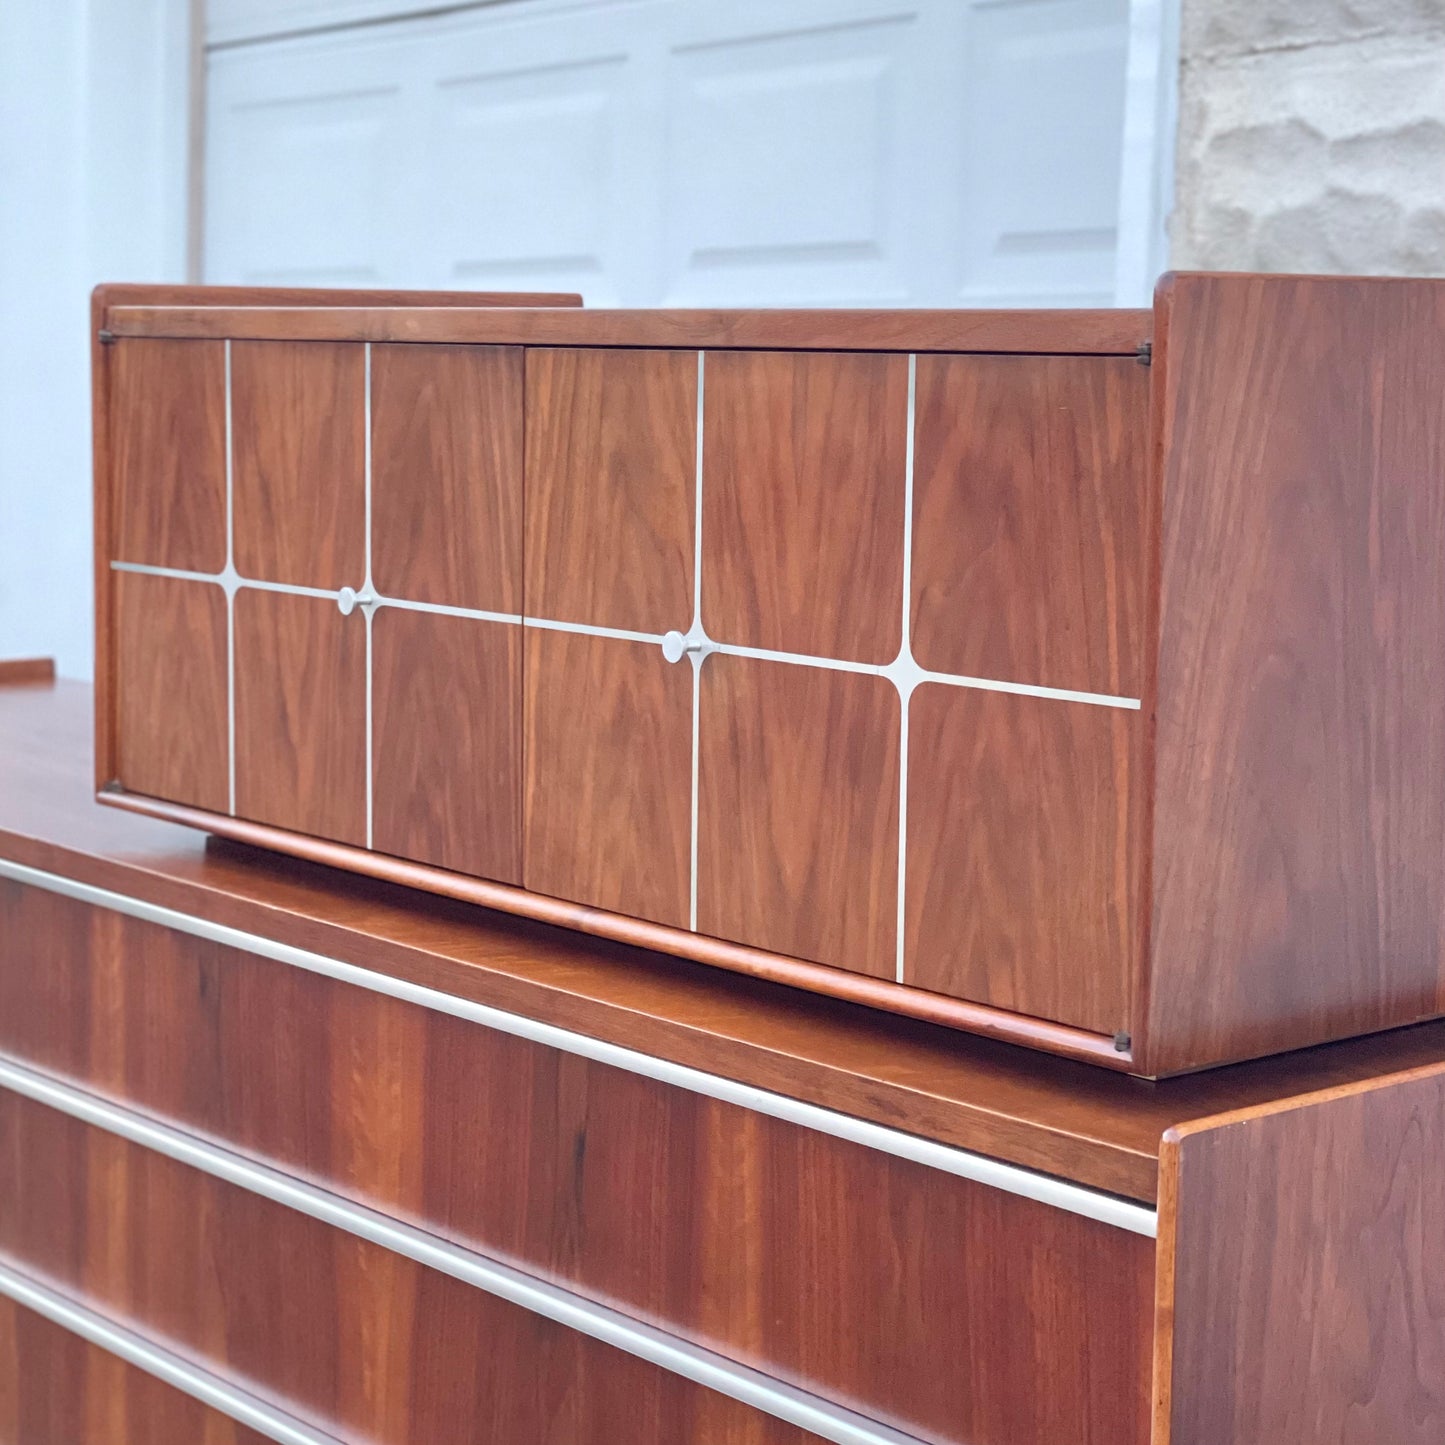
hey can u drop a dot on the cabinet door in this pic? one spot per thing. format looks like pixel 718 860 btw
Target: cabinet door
pixel 446 743
pixel 171 690
pixel 1028 495
pixel 446 475
pixel 611 487
pixel 301 714
pixel 446 544
pixel 168 451
pixel 609 774
pixel 798 811
pixel 1022 873
pixel 803 496
pixel 804 458
pixel 611 480
pixel 1023 810
pixel 299 495
pixel 298 413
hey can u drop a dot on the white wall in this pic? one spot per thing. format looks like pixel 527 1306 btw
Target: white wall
pixel 93 97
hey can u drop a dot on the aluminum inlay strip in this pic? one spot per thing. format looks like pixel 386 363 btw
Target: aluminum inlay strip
pixel 222 1396
pixel 1108 1209
pixel 367 586
pixel 562 1306
pixel 695 632
pixel 230 571
pixel 903 672
pixel 905 692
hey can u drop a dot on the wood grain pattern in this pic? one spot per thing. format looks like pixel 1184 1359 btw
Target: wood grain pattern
pixel 637 1193
pixel 110 295
pixel 1108 332
pixel 611 487
pixel 1022 876
pixel 301 714
pixel 803 487
pixel 639 933
pixel 447 741
pixel 102 547
pixel 607 802
pixel 168 450
pixel 362 1343
pixel 58 1389
pixel 171 689
pixel 1049 1114
pixel 26 671
pixel 446 475
pixel 1028 491
pixel 1301 1290
pixel 1299 825
pixel 798 811
pixel 1074 1120
pixel 298 437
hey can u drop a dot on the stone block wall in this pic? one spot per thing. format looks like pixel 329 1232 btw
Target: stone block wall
pixel 1311 136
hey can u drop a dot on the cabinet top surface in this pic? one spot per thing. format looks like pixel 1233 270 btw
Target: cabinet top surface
pixel 539 320
pixel 1082 1123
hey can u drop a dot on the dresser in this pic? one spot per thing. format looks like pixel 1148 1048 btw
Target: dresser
pixel 290 1153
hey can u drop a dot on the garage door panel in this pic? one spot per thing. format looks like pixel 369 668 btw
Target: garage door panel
pixel 653 152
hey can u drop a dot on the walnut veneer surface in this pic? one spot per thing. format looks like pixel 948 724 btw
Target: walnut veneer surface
pixel 156 1073
pixel 1066 678
pixel 1065 1118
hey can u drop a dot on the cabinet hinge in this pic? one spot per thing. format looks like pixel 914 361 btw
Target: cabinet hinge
pixel 1145 354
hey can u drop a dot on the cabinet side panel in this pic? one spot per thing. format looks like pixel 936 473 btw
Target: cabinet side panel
pixel 1302 1288
pixel 101 544
pixel 1300 774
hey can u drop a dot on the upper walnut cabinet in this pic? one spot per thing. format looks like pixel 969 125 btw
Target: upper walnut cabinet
pixel 1075 677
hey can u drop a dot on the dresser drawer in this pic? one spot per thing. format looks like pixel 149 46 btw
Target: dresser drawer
pixel 58 1388
pixel 930 1290
pixel 348 1336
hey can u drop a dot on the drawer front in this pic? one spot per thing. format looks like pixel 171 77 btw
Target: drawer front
pixel 56 1388
pixel 944 1306
pixel 339 1331
pixel 820 664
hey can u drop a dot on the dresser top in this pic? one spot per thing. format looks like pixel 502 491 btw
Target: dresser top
pixel 1097 1128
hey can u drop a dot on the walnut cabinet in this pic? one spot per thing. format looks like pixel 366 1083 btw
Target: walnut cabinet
pixel 1074 678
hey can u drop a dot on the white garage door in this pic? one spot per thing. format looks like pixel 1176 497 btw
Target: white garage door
pixel 674 152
